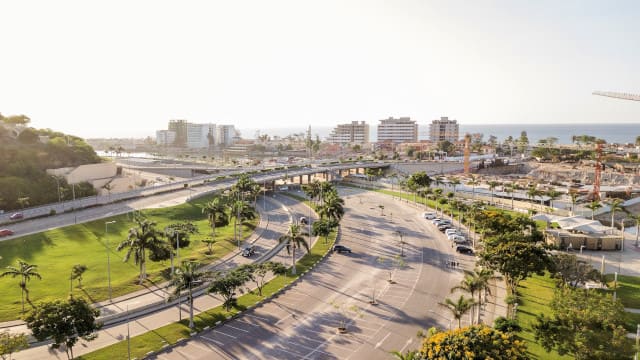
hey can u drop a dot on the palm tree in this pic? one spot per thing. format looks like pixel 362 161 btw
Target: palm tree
pixel 186 277
pixel 436 194
pixel 25 271
pixel 573 194
pixel 510 189
pixel 637 220
pixel 532 192
pixel 492 186
pixel 615 205
pixel 454 182
pixel 593 206
pixel 332 208
pixel 312 190
pixel 483 276
pixel 458 308
pixel 216 214
pixel 323 227
pixel 142 238
pixel 241 210
pixel 409 355
pixel 553 194
pixel 294 239
pixel 473 182
pixel 470 284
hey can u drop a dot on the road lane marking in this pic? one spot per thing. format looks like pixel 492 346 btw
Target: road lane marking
pixel 236 328
pixel 381 341
pixel 222 333
pixel 212 340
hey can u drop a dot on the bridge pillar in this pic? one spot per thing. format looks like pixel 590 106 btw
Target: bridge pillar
pixel 309 178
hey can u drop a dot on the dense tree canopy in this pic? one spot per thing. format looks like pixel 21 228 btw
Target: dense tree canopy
pixel 586 324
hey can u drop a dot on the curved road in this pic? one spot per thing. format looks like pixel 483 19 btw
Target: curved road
pixel 302 322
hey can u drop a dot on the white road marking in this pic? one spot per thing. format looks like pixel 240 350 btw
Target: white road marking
pixel 212 340
pixel 381 341
pixel 236 328
pixel 222 333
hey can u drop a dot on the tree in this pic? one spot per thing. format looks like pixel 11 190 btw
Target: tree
pixel 177 235
pixel 533 192
pixel 141 239
pixel 25 271
pixel 186 277
pixel 573 195
pixel 10 343
pixel 454 182
pixel 470 284
pixel 332 208
pixel 225 284
pixel 210 242
pixel 323 227
pixel 571 271
pixel 76 273
pixel 409 355
pixel 216 214
pixel 585 324
pixel 553 194
pixel 593 206
pixel 459 307
pixel 241 210
pixel 258 271
pixel 514 257
pixel 64 322
pixel 523 142
pixel 294 238
pixel 492 186
pixel 615 205
pixel 474 342
pixel 473 181
pixel 417 181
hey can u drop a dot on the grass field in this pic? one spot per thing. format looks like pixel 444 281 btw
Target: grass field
pixel 534 295
pixel 169 334
pixel 56 251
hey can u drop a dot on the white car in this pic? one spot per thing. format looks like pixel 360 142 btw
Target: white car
pixel 429 215
pixel 450 231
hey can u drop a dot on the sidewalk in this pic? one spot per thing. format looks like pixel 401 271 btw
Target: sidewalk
pixel 148 299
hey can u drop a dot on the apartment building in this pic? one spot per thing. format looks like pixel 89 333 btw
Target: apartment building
pixel 352 133
pixel 444 129
pixel 398 130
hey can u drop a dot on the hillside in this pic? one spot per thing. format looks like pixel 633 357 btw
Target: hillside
pixel 25 154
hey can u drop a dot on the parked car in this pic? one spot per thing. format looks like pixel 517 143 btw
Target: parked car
pixel 443 227
pixel 429 215
pixel 452 236
pixel 5 232
pixel 341 249
pixel 464 249
pixel 451 231
pixel 304 221
pixel 248 250
pixel 16 216
pixel 459 239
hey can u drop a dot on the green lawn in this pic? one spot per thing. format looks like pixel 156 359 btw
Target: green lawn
pixel 534 295
pixel 628 289
pixel 170 334
pixel 56 251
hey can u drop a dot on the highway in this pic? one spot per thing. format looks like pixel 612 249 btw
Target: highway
pixel 302 322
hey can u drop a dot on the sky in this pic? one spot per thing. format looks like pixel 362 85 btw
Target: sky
pixel 124 68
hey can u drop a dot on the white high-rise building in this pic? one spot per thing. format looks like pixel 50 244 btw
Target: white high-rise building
pixel 398 130
pixel 225 135
pixel 165 137
pixel 353 133
pixel 444 129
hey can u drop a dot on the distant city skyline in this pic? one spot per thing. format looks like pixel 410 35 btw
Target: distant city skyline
pixel 124 69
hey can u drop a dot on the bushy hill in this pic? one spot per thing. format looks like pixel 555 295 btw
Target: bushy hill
pixel 25 157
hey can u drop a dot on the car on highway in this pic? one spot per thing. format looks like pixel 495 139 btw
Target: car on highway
pixel 429 215
pixel 5 232
pixel 464 250
pixel 341 249
pixel 248 250
pixel 16 216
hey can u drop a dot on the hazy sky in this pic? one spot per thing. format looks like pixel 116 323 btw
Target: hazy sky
pixel 124 68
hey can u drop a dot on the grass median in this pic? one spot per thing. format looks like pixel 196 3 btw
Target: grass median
pixel 154 340
pixel 56 251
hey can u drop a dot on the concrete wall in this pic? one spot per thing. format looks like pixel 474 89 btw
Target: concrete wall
pixel 91 172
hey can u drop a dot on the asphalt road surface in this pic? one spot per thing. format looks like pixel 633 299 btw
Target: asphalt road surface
pixel 302 322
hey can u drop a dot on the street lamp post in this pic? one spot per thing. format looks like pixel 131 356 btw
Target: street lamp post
pixel 106 230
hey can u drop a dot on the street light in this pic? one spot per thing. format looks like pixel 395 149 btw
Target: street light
pixel 106 230
pixel 128 333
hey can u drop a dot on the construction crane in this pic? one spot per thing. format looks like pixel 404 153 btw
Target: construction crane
pixel 617 95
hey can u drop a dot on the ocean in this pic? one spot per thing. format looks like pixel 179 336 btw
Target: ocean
pixel 612 133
